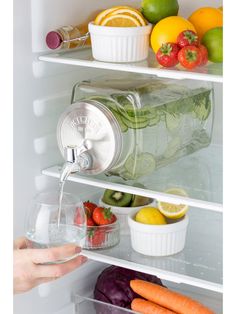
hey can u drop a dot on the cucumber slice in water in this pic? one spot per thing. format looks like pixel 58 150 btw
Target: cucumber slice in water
pixel 123 126
pixel 105 101
pixel 135 124
pixel 138 165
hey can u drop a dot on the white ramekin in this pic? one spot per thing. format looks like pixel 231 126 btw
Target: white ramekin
pixel 119 44
pixel 158 240
pixel 123 212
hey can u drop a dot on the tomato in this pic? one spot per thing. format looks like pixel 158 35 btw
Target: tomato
pixel 190 57
pixel 187 38
pixel 167 55
pixel 103 216
pixel 89 208
pixel 96 237
pixel 204 54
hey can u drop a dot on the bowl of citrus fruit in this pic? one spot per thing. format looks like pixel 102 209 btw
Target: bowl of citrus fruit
pixel 161 230
pixel 120 34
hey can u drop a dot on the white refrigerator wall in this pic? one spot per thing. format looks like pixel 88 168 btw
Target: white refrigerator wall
pixel 41 92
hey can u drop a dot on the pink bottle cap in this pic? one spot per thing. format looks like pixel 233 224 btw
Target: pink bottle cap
pixel 53 40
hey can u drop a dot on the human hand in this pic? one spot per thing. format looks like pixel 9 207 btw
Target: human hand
pixel 28 271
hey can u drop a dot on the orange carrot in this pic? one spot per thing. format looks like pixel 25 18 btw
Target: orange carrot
pixel 168 299
pixel 147 307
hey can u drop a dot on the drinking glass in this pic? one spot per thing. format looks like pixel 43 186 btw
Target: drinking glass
pixel 43 227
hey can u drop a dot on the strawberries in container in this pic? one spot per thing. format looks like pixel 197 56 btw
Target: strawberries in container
pixel 103 229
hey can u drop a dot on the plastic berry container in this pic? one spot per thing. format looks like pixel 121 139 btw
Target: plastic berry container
pixel 102 237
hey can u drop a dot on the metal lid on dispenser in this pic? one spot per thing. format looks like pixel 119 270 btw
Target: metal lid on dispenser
pixel 94 123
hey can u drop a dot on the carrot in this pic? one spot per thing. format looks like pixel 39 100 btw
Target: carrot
pixel 147 307
pixel 168 299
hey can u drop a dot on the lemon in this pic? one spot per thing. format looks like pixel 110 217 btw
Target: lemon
pixel 120 20
pixel 173 211
pixel 150 216
pixel 104 13
pixel 131 12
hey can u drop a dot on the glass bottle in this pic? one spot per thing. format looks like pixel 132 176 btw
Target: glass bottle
pixel 68 37
pixel 136 125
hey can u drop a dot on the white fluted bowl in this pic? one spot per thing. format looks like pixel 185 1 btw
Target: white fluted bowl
pixel 158 240
pixel 119 44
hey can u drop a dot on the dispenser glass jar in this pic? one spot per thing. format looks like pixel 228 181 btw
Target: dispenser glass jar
pixel 136 125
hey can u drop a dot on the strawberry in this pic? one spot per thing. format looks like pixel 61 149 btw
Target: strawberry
pixel 204 54
pixel 190 57
pixel 167 55
pixel 187 38
pixel 103 216
pixel 96 237
pixel 89 208
pixel 90 222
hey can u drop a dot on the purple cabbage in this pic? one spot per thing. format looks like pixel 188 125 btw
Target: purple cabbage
pixel 113 286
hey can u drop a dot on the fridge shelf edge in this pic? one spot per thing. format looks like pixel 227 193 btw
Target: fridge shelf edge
pixel 165 275
pixel 169 198
pixel 134 68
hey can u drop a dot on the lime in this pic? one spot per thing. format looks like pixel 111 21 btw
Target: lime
pixel 173 211
pixel 150 216
pixel 213 41
pixel 156 10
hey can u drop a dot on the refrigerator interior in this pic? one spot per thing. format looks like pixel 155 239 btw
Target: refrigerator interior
pixel 42 90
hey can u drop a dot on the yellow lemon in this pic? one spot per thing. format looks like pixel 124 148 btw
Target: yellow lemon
pixel 150 216
pixel 168 29
pixel 173 211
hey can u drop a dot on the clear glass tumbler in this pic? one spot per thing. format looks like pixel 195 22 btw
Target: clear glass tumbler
pixel 43 229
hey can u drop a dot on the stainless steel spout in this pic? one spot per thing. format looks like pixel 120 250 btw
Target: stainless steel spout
pixel 77 159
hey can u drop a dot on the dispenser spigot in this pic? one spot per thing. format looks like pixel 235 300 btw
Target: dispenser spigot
pixel 77 159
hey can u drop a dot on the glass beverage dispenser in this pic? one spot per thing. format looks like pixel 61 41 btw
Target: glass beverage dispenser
pixel 132 126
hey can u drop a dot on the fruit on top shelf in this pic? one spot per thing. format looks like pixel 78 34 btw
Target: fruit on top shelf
pixel 213 40
pixel 156 10
pixel 204 53
pixel 168 29
pixel 167 55
pixel 187 38
pixel 173 211
pixel 150 216
pixel 190 57
pixel 205 19
pixel 120 16
pixel 122 199
pixel 166 298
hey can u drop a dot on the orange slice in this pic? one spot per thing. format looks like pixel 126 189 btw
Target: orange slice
pixel 131 12
pixel 120 20
pixel 104 13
